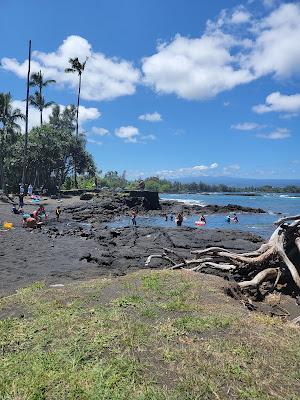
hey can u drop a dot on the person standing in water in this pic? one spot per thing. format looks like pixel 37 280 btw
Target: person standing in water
pixel 235 218
pixel 179 219
pixel 133 217
pixel 57 213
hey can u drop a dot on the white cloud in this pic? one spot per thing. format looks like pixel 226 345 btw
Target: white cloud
pixel 99 131
pixel 85 114
pixel 154 117
pixel 92 141
pixel 280 103
pixel 278 134
pixel 276 49
pixel 195 68
pixel 197 170
pixel 103 79
pixel 240 16
pixel 224 56
pixel 245 126
pixel 128 133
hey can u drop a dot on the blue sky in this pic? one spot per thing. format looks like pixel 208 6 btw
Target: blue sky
pixel 172 88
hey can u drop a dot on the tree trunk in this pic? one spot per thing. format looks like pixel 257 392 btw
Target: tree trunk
pixel 77 124
pixel 26 122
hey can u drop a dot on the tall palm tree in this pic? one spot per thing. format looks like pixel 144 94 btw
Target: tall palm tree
pixel 76 67
pixel 38 101
pixel 9 117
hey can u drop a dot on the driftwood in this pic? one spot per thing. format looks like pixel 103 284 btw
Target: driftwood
pixel 278 260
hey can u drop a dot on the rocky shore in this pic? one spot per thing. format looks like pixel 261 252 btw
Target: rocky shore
pixel 81 246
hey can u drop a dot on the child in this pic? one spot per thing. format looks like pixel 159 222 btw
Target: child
pixel 57 213
pixel 133 217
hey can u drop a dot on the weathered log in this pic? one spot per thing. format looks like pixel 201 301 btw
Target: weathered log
pixel 262 276
pixel 270 261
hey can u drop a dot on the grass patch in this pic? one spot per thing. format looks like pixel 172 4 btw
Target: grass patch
pixel 149 335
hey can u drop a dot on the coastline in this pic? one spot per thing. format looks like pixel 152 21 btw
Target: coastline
pixel 81 246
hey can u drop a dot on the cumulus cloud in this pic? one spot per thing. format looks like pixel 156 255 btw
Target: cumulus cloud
pixel 194 68
pixel 85 114
pixel 278 134
pixel 154 117
pixel 276 49
pixel 104 78
pixel 99 131
pixel 225 56
pixel 128 133
pixel 280 103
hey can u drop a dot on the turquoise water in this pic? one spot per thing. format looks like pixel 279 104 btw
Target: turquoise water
pixel 260 224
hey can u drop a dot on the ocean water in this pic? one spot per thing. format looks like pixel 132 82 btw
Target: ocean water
pixel 260 224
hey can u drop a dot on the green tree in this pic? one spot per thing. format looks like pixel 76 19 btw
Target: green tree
pixel 9 132
pixel 76 67
pixel 38 100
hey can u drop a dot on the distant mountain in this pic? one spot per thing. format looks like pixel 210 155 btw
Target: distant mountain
pixel 239 182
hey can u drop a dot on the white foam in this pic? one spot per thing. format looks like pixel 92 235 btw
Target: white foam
pixel 186 201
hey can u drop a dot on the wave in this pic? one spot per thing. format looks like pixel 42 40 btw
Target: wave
pixel 186 201
pixel 286 196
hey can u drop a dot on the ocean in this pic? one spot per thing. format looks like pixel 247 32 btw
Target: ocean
pixel 260 224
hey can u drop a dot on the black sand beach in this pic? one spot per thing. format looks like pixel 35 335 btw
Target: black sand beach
pixel 81 246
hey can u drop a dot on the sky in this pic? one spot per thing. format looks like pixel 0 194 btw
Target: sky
pixel 172 88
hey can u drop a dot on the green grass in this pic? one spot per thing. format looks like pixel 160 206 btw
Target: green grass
pixel 149 335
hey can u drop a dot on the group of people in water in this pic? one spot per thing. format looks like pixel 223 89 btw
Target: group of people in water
pixel 179 219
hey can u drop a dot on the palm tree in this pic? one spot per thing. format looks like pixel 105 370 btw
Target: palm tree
pixel 38 101
pixel 76 67
pixel 8 127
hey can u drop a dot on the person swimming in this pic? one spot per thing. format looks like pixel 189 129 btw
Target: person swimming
pixel 235 218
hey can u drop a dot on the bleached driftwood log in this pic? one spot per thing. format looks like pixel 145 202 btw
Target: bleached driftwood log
pixel 278 259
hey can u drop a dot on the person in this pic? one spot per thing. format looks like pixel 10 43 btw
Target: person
pixel 141 185
pixel 133 217
pixel 15 210
pixel 235 218
pixel 30 222
pixel 21 200
pixel 228 219
pixel 30 190
pixel 57 213
pixel 21 188
pixel 202 218
pixel 179 219
pixel 171 217
pixel 166 217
